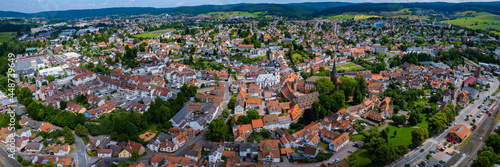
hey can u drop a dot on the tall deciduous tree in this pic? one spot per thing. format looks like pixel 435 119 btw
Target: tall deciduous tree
pixel 419 135
pixel 216 130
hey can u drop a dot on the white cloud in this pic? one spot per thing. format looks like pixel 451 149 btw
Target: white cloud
pixel 211 3
pixel 179 4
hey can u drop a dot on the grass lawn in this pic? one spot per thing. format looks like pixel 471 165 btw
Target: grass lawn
pixel 424 123
pixel 356 69
pixel 360 158
pixel 297 58
pixel 323 145
pixel 221 15
pixel 357 137
pixel 403 136
pixel 481 20
pixel 153 34
pixel 5 36
pixel 348 65
pixel 362 16
pixel 344 17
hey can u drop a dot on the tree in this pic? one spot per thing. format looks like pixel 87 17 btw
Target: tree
pixel 358 97
pixel 135 155
pixel 253 114
pixel 375 143
pixel 348 85
pixel 339 101
pixel 362 86
pixel 385 134
pixel 81 130
pixel 217 78
pixel 434 99
pixel 399 119
pixel 419 135
pixel 493 141
pixel 265 133
pixel 68 135
pixel 225 113
pixel 384 154
pixel 414 118
pixel 50 78
pixel 482 161
pixel 324 85
pixel 437 122
pixel 216 130
pixel 243 120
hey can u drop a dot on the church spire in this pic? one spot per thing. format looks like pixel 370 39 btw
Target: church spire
pixel 333 75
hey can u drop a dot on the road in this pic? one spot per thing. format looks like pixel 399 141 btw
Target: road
pixel 415 155
pixel 6 161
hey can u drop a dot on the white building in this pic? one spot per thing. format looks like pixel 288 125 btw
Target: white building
pixel 264 80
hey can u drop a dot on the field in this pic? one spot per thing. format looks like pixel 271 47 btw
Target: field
pixel 297 58
pixel 356 69
pixel 403 13
pixel 350 16
pixel 481 20
pixel 360 158
pixel 222 15
pixel 424 123
pixel 403 136
pixel 5 36
pixel 348 65
pixel 153 34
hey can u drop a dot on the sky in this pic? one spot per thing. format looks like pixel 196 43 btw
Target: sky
pixel 33 6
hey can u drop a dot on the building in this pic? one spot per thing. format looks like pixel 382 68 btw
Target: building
pixel 458 133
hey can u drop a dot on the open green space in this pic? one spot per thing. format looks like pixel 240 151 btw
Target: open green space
pixel 424 123
pixel 481 20
pixel 359 158
pixel 5 36
pixel 222 15
pixel 297 58
pixel 348 65
pixel 402 137
pixel 345 16
pixel 153 34
pixel 356 69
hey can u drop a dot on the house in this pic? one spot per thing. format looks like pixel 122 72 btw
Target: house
pixel 61 150
pixel 215 154
pixel 269 150
pixel 463 98
pixel 75 108
pixel 469 81
pixel 257 125
pixel 65 162
pixel 239 107
pixel 104 153
pixel 311 151
pixel 339 142
pixel 137 164
pixel 252 102
pixel 270 121
pixel 92 144
pixel 447 96
pixel 168 146
pixel 458 133
pixel 193 154
pixel 33 148
pixel 45 127
pixel 24 132
pixel 20 143
pixel 129 148
pixel 471 92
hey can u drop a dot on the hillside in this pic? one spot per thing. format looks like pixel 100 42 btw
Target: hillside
pixel 481 20
pixel 292 10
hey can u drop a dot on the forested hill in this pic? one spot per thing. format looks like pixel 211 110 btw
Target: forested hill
pixel 293 10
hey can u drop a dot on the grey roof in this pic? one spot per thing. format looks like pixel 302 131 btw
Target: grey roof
pixel 192 153
pixel 23 65
pixel 33 146
pixel 7 101
pixel 182 114
pixel 37 139
pixel 38 61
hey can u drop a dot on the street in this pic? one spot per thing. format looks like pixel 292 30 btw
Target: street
pixel 415 155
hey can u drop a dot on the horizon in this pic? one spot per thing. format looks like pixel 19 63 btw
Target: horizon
pixel 36 6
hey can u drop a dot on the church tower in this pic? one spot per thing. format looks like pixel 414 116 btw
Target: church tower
pixel 333 75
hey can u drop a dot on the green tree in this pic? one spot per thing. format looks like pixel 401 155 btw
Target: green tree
pixel 50 78
pixel 384 154
pixel 265 133
pixel 216 130
pixel 253 114
pixel 135 155
pixel 348 85
pixel 493 141
pixel 225 113
pixel 482 161
pixel 414 118
pixel 375 143
pixel 324 85
pixel 68 135
pixel 399 119
pixel 81 130
pixel 243 120
pixel 419 135
pixel 438 122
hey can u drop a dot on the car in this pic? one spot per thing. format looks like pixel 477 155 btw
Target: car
pixel 350 151
pixel 434 152
pixel 443 148
pixel 422 150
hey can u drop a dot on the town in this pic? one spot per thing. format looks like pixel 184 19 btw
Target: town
pixel 174 90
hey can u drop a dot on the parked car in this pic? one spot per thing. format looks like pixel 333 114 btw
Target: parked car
pixel 350 151
pixel 422 150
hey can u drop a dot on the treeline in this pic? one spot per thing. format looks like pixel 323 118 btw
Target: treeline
pixel 16 47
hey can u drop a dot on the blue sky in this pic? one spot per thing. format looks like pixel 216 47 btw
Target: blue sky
pixel 33 6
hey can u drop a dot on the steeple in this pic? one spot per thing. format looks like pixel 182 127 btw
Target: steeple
pixel 333 75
